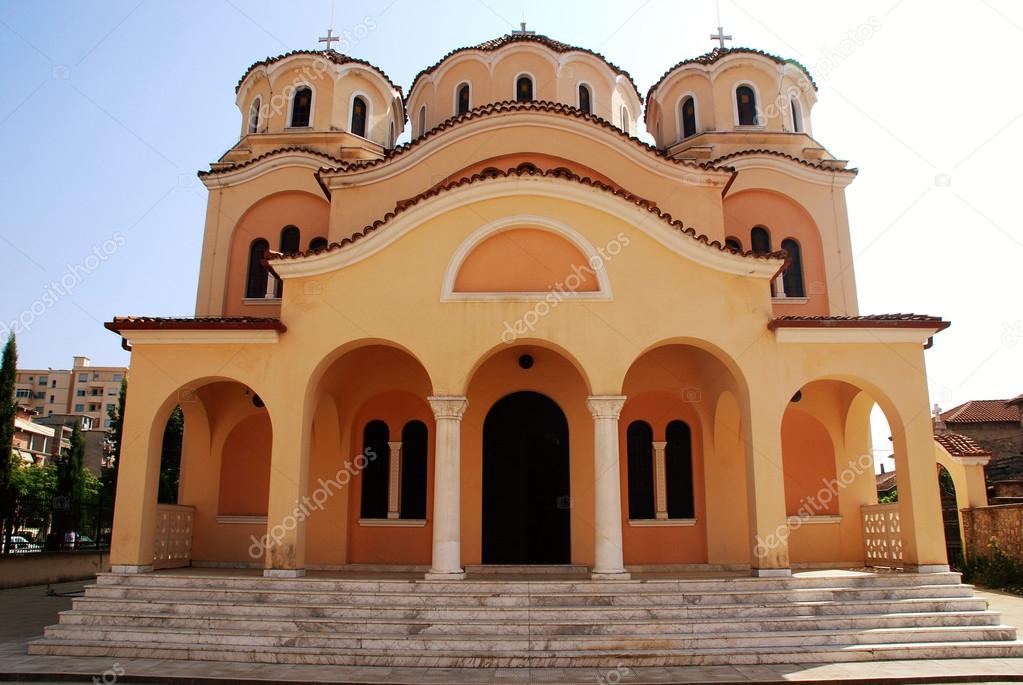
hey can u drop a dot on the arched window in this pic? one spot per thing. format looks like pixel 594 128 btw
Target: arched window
pixel 255 282
pixel 254 115
pixel 390 134
pixel 746 103
pixel 760 240
pixel 797 116
pixel 414 443
pixel 584 99
pixel 359 116
pixel 318 243
pixel 687 116
pixel 639 440
pixel 625 119
pixel 733 243
pixel 524 89
pixel 290 239
pixel 792 279
pixel 463 101
pixel 301 106
pixel 375 476
pixel 678 470
pixel 422 120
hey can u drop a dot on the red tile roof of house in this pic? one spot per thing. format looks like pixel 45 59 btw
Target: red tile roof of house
pixel 983 411
pixel 959 445
pixel 509 39
pixel 885 481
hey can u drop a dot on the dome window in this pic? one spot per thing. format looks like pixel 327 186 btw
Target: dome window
pixel 463 101
pixel 301 107
pixel 254 115
pixel 625 119
pixel 318 243
pixel 359 116
pixel 422 120
pixel 746 105
pixel 585 99
pixel 524 89
pixel 760 240
pixel 792 279
pixel 733 244
pixel 255 280
pixel 687 116
pixel 797 116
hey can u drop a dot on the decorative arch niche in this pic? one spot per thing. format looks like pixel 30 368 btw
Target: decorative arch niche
pixel 525 257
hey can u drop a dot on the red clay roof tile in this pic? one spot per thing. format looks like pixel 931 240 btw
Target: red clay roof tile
pixel 184 323
pixel 774 153
pixel 720 53
pixel 867 321
pixel 983 411
pixel 335 57
pixel 959 445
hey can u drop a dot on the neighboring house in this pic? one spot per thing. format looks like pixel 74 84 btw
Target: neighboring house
pixel 82 389
pixel 993 427
pixel 885 482
pixel 33 443
pixel 95 438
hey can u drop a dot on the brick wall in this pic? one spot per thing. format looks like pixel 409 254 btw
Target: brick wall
pixel 1003 523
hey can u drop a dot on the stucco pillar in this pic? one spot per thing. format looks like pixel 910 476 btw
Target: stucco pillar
pixel 284 541
pixel 976 483
pixel 138 478
pixel 766 493
pixel 447 505
pixel 923 534
pixel 608 561
pixel 660 484
pixel 394 481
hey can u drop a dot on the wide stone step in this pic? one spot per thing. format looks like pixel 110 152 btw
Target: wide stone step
pixel 582 613
pixel 503 643
pixel 270 595
pixel 532 586
pixel 536 659
pixel 490 627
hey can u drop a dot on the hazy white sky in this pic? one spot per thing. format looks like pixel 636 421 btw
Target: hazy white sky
pixel 108 110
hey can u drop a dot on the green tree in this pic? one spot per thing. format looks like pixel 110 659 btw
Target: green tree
pixel 170 458
pixel 34 487
pixel 8 412
pixel 70 481
pixel 115 437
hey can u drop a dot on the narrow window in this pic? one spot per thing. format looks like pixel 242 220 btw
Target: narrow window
pixel 374 477
pixel 290 237
pixel 760 240
pixel 390 134
pixel 359 116
pixel 584 99
pixel 734 244
pixel 797 116
pixel 524 89
pixel 422 120
pixel 463 99
pixel 254 116
pixel 792 279
pixel 317 243
pixel 678 470
pixel 687 115
pixel 639 443
pixel 746 101
pixel 414 442
pixel 255 282
pixel 301 106
pixel 625 120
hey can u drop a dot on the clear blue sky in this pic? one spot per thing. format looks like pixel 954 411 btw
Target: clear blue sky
pixel 107 110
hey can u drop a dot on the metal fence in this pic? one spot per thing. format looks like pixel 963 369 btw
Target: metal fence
pixel 57 524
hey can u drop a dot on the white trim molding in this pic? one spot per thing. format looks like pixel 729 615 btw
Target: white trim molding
pixel 797 521
pixel 524 221
pixel 392 523
pixel 662 523
pixel 200 337
pixel 231 519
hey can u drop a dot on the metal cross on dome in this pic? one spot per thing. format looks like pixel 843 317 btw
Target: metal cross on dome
pixel 329 38
pixel 522 31
pixel 720 37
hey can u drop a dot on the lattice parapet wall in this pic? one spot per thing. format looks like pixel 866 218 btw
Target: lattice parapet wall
pixel 173 545
pixel 882 535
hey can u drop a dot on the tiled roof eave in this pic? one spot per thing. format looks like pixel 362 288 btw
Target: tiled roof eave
pixel 875 321
pixel 205 323
pixel 819 166
pixel 267 155
pixel 718 54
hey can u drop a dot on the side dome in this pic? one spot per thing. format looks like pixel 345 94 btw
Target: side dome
pixel 523 65
pixel 730 89
pixel 323 92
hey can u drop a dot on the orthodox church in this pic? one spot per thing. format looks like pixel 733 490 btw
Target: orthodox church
pixel 527 342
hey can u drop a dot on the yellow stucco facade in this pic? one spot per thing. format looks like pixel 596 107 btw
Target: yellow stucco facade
pixel 527 274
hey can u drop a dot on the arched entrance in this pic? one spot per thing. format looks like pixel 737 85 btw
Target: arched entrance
pixel 526 504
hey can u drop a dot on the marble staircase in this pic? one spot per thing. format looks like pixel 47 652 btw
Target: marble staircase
pixel 489 620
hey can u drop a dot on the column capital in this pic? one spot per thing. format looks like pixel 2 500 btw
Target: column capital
pixel 659 444
pixel 394 445
pixel 448 406
pixel 605 406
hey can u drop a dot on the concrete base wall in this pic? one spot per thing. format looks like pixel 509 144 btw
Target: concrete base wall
pixel 51 567
pixel 1002 523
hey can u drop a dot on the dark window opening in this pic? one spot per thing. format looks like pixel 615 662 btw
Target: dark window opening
pixel 524 89
pixel 746 101
pixel 414 446
pixel 301 107
pixel 375 476
pixel 640 454
pixel 678 470
pixel 255 282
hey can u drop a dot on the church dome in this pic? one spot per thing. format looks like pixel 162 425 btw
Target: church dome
pixel 730 89
pixel 523 65
pixel 320 91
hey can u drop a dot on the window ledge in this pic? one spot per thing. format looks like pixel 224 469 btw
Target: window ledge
pixel 392 523
pixel 657 523
pixel 297 129
pixel 796 521
pixel 790 300
pixel 234 520
pixel 261 300
pixel 750 127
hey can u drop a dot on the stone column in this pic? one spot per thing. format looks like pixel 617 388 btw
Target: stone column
pixel 394 481
pixel 660 486
pixel 608 562
pixel 923 537
pixel 447 516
